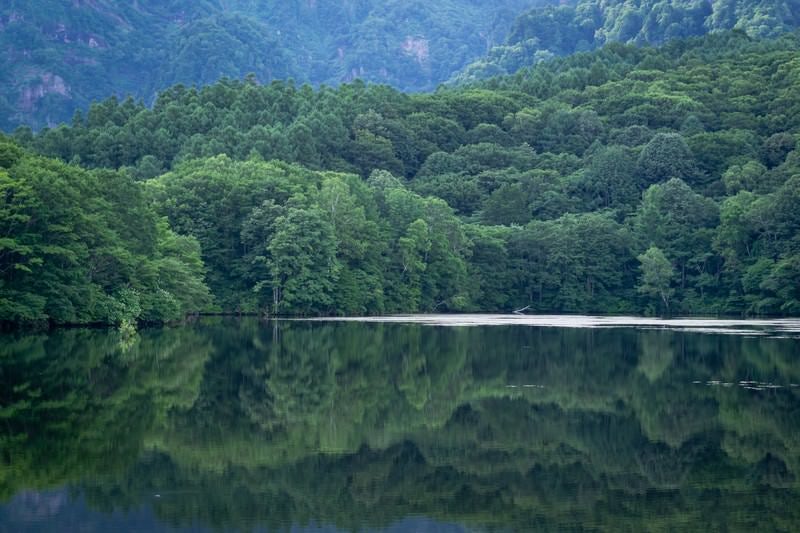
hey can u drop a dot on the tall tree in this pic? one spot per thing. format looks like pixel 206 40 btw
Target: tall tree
pixel 657 276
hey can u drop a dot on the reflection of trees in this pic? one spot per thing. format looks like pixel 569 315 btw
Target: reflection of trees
pixel 666 467
pixel 669 415
pixel 75 403
pixel 413 419
pixel 289 383
pixel 656 353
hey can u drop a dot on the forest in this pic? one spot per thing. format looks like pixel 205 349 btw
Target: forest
pixel 60 55
pixel 623 180
pixel 570 27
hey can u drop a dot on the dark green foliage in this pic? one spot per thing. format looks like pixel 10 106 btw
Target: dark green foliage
pixel 388 202
pixel 576 263
pixel 541 33
pixel 666 156
pixel 84 246
pixel 609 180
pixel 680 223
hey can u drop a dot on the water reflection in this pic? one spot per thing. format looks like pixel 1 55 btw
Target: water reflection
pixel 244 424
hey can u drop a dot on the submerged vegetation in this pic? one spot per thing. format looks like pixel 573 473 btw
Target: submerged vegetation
pixel 622 180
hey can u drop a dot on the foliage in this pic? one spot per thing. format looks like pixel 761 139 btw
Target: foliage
pixel 59 56
pixel 86 247
pixel 537 190
pixel 544 32
pixel 657 275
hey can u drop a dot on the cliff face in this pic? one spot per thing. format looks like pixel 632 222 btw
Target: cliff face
pixel 46 84
pixel 57 56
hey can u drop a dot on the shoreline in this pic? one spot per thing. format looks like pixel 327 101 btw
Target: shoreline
pixel 721 323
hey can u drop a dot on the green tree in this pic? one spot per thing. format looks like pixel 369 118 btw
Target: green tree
pixel 666 156
pixel 657 276
pixel 303 262
pixel 681 223
pixel 414 247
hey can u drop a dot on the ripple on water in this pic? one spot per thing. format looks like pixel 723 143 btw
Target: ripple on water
pixel 745 384
pixel 784 328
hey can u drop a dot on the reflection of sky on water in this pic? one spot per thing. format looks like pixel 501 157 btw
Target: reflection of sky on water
pixel 697 325
pixel 60 511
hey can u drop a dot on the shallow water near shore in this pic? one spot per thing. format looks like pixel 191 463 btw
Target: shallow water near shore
pixel 788 326
pixel 412 423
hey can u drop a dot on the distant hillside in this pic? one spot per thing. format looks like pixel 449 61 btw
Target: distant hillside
pixel 58 55
pixel 624 180
pixel 542 33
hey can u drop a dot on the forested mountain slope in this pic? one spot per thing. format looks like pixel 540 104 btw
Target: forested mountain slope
pixel 542 33
pixel 58 55
pixel 623 180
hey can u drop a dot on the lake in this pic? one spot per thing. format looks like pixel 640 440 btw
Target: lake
pixel 420 423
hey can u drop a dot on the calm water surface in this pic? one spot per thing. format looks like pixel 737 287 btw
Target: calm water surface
pixel 453 423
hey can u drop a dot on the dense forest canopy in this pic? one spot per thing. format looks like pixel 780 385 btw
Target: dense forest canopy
pixel 584 25
pixel 58 55
pixel 84 246
pixel 623 180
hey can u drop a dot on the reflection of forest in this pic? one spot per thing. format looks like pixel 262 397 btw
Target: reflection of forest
pixel 359 424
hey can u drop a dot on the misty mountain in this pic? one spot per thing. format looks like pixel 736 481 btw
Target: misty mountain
pixel 59 55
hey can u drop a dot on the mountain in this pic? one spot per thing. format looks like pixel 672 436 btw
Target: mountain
pixel 624 180
pixel 542 33
pixel 59 55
